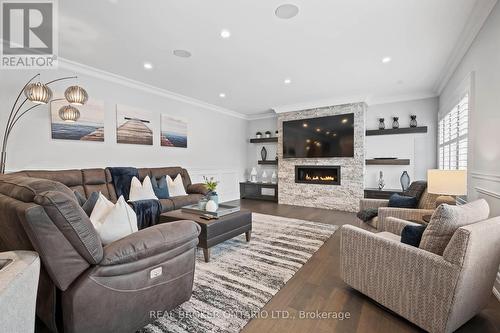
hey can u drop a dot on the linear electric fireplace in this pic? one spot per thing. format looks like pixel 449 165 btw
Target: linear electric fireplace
pixel 317 174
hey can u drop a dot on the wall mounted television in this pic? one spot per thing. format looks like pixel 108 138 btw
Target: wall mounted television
pixel 331 136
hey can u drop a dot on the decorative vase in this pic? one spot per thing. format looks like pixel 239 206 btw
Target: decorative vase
pixel 211 206
pixel 214 197
pixel 274 178
pixel 381 123
pixel 202 204
pixel 276 133
pixel 263 153
pixel 258 135
pixel 264 176
pixel 413 120
pixel 395 122
pixel 405 181
pixel 381 182
pixel 253 175
pixel 268 134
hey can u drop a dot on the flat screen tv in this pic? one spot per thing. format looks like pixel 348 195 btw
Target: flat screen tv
pixel 331 136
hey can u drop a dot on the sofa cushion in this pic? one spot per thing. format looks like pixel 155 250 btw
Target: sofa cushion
pixel 176 186
pixel 26 188
pixel 74 224
pixel 447 219
pixel 416 189
pixel 167 205
pixel 87 204
pixel 160 187
pixel 184 200
pixel 412 234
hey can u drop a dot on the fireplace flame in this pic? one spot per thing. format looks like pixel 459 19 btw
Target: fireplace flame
pixel 326 178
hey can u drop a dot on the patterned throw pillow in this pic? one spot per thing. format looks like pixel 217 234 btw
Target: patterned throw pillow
pixel 402 201
pixel 412 234
pixel 447 219
pixel 416 189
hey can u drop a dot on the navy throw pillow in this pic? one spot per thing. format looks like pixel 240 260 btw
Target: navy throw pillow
pixel 401 201
pixel 160 187
pixel 412 234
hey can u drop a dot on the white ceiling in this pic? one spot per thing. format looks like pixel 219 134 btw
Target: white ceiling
pixel 331 50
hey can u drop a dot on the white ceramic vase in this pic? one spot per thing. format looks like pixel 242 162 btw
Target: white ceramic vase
pixel 274 178
pixel 253 175
pixel 211 206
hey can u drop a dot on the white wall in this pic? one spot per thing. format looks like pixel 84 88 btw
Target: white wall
pixel 253 149
pixel 216 145
pixel 483 61
pixel 419 148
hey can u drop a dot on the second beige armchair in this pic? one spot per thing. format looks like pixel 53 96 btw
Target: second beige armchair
pixel 426 206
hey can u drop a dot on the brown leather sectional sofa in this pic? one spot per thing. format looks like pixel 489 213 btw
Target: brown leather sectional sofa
pixel 85 287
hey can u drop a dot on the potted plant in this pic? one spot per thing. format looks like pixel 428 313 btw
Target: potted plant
pixel 211 185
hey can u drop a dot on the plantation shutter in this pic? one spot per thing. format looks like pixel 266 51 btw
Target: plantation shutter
pixel 453 136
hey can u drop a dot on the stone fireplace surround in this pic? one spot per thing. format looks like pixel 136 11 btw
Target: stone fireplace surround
pixel 345 196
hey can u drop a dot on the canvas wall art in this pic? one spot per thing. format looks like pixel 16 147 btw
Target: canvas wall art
pixel 173 132
pixel 89 127
pixel 133 126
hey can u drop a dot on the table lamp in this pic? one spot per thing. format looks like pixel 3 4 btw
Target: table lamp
pixel 448 183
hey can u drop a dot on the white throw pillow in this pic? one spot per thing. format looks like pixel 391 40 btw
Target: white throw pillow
pixel 176 186
pixel 113 221
pixel 142 191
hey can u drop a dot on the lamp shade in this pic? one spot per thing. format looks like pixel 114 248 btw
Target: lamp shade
pixel 447 182
pixel 38 93
pixel 76 95
pixel 69 113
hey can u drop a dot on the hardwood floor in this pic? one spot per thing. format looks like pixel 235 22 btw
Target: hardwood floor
pixel 317 286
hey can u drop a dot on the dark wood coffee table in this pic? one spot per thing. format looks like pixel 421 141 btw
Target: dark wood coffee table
pixel 217 231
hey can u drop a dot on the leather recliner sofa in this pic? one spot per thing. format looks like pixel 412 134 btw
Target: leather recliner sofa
pixel 85 287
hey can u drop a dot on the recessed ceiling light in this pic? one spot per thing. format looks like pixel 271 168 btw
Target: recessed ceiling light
pixel 148 65
pixel 318 129
pixel 225 33
pixel 286 11
pixel 182 53
pixel 344 120
pixel 222 95
pixel 287 81
pixel 386 60
pixel 304 125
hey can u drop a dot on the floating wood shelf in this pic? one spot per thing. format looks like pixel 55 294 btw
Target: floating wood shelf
pixel 388 162
pixel 264 140
pixel 269 162
pixel 405 130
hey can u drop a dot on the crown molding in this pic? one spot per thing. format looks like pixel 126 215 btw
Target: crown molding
pixel 318 104
pixel 118 79
pixel 475 22
pixel 399 98
pixel 265 115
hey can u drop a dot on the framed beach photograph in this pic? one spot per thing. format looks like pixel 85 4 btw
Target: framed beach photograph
pixel 133 126
pixel 173 132
pixel 88 127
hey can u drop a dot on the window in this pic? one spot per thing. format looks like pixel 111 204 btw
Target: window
pixel 453 130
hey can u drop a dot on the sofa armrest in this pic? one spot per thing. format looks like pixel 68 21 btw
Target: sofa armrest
pixel 416 284
pixel 151 241
pixel 372 203
pixel 396 226
pixel 408 214
pixel 198 188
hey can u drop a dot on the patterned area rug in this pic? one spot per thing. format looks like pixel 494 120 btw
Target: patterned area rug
pixel 242 277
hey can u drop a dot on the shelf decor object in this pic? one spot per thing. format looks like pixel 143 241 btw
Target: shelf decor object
pixel 263 153
pixel 405 180
pixel 270 162
pixel 395 122
pixel 268 134
pixel 413 121
pixel 258 135
pixel 381 182
pixel 381 123
pixel 402 130
pixel 40 93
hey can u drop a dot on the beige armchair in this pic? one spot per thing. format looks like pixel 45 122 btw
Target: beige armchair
pixel 426 206
pixel 437 293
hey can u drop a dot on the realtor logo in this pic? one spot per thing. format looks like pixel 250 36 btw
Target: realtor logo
pixel 29 38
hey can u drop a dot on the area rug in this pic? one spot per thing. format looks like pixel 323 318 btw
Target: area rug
pixel 242 277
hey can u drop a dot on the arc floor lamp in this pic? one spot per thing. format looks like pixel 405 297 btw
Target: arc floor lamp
pixel 39 93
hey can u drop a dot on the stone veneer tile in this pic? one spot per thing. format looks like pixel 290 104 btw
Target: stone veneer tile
pixel 345 197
